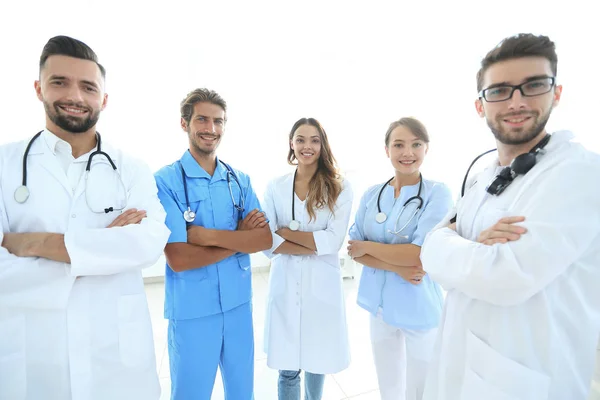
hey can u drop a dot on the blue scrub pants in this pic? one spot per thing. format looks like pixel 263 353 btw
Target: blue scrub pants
pixel 198 346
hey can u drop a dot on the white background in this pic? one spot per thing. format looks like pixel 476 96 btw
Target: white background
pixel 355 66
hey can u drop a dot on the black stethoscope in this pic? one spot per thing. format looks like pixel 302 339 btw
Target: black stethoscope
pixel 294 225
pixel 381 217
pixel 190 216
pixel 22 192
pixel 519 166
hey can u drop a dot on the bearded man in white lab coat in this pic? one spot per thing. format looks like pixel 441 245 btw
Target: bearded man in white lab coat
pixel 79 220
pixel 521 264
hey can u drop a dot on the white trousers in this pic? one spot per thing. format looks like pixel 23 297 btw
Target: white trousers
pixel 401 357
pixel 595 391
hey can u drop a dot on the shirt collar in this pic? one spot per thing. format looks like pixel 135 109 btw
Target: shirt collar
pixel 55 143
pixel 194 170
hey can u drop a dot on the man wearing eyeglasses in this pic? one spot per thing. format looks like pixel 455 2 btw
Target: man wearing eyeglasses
pixel 521 264
pixel 215 221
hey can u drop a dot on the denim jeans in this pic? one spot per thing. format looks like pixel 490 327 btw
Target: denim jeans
pixel 289 385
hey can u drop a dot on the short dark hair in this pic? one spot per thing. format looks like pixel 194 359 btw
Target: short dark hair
pixel 519 46
pixel 67 46
pixel 200 96
pixel 412 124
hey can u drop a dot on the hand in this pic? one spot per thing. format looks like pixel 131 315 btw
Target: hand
pixel 129 217
pixel 199 235
pixel 254 219
pixel 23 244
pixel 357 248
pixel 412 275
pixel 503 231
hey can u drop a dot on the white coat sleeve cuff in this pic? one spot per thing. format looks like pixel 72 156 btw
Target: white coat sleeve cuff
pixel 323 242
pixel 277 241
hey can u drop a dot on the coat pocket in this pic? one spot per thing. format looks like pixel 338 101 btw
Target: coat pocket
pixel 490 370
pixel 326 281
pixel 474 388
pixel 13 366
pixel 136 343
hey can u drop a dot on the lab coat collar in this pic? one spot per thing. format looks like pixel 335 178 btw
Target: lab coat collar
pixel 558 137
pixel 194 170
pixel 48 142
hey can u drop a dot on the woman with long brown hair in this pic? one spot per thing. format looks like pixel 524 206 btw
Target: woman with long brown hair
pixel 309 212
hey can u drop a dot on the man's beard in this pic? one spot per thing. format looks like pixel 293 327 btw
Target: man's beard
pixel 69 123
pixel 509 137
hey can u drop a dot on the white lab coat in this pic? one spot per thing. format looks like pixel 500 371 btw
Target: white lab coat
pixel 305 326
pixel 521 319
pixel 77 331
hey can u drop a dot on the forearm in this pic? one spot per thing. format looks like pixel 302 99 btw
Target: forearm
pixel 395 254
pixel 293 249
pixel 376 263
pixel 242 241
pixel 185 256
pixel 304 239
pixel 52 247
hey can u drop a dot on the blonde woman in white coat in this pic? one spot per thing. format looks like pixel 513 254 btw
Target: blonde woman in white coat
pixel 308 213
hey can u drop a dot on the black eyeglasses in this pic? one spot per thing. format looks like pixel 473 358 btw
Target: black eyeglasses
pixel 535 87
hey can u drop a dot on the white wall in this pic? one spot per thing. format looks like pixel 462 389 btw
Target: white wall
pixel 355 66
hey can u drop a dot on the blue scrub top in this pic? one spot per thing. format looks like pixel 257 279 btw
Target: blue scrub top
pixel 403 304
pixel 221 286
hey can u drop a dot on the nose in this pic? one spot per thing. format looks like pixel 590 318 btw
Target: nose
pixel 210 126
pixel 74 94
pixel 517 101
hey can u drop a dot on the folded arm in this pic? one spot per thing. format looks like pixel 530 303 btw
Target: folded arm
pixel 561 218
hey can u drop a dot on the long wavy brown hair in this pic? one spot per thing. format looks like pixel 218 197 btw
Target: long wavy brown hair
pixel 325 186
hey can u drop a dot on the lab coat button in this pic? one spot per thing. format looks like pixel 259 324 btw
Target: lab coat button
pixel 73 215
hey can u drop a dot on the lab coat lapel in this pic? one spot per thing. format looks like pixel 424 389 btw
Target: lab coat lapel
pixel 41 156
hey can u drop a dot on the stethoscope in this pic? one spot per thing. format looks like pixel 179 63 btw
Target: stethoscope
pixel 294 224
pixel 190 215
pixel 381 217
pixel 22 192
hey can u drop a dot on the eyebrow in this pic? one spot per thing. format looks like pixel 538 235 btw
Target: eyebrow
pixel 313 136
pixel 206 116
pixel 528 79
pixel 412 140
pixel 64 78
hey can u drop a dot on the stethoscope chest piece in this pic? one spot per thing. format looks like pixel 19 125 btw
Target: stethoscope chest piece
pixel 294 225
pixel 21 194
pixel 380 217
pixel 189 215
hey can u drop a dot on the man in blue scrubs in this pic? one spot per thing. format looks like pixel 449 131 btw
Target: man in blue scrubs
pixel 215 222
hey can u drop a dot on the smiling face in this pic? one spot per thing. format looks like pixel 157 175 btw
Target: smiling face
pixel 72 91
pixel 405 150
pixel 205 128
pixel 519 119
pixel 306 144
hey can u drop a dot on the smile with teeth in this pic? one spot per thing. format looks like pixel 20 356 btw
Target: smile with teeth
pixel 516 120
pixel 73 110
pixel 407 162
pixel 208 138
pixel 307 154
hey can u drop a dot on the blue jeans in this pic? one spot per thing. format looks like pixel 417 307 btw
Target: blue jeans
pixel 289 385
